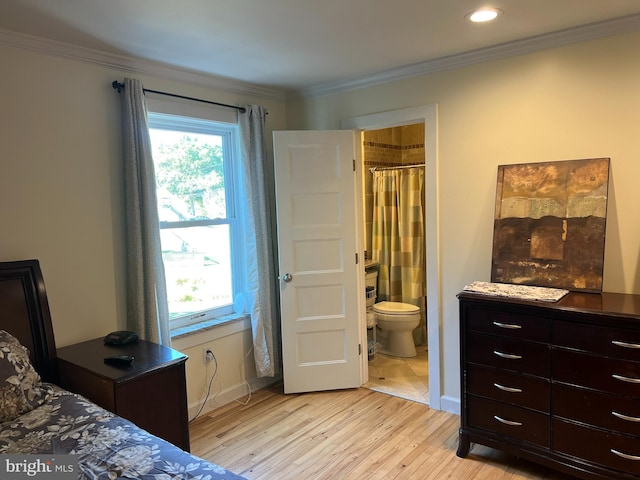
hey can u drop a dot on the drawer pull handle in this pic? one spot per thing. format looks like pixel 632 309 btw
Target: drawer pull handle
pixel 626 379
pixel 507 389
pixel 625 417
pixel 507 355
pixel 507 422
pixel 624 344
pixel 625 455
pixel 507 325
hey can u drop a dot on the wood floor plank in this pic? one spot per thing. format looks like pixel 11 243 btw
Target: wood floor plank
pixel 348 434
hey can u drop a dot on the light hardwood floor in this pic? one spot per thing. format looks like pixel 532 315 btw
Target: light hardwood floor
pixel 351 434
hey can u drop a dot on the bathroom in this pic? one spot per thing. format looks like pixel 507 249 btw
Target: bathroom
pixel 398 361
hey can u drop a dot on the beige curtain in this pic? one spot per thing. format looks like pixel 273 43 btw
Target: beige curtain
pixel 398 238
pixel 147 310
pixel 261 252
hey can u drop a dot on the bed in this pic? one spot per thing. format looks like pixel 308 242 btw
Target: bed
pixel 38 417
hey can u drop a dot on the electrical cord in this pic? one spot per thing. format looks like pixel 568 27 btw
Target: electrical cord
pixel 215 371
pixel 206 398
pixel 245 403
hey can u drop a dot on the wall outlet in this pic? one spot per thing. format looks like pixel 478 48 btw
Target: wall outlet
pixel 207 354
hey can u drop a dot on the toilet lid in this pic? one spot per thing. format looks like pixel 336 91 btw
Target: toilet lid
pixel 395 308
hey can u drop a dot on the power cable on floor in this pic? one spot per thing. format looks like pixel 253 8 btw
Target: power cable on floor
pixel 245 380
pixel 206 398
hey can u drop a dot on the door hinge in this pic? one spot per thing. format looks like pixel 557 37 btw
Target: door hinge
pixel 354 164
pixel 359 349
pixel 356 258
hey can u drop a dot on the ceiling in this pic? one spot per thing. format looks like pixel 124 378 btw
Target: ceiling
pixel 303 44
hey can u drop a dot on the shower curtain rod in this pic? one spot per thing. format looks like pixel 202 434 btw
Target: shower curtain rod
pixel 120 86
pixel 373 169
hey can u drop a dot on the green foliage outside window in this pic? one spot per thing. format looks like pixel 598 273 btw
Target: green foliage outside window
pixel 193 171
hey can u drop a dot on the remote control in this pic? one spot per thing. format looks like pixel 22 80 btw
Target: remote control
pixel 119 360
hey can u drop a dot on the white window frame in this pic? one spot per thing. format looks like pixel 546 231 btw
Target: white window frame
pixel 234 205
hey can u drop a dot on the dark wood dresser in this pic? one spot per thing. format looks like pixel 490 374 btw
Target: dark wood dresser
pixel 151 392
pixel 555 383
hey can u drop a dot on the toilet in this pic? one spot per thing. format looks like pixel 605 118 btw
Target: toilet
pixel 397 320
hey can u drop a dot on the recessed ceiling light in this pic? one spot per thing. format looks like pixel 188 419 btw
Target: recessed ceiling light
pixel 484 14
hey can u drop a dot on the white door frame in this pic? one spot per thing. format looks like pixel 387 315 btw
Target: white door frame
pixel 406 116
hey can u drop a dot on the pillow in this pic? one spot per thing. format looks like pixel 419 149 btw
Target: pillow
pixel 20 385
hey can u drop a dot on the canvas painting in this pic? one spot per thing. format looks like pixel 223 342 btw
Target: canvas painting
pixel 549 225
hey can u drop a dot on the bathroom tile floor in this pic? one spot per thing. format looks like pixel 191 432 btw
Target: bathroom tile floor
pixel 407 378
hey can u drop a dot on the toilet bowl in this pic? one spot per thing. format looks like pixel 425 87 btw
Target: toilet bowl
pixel 397 321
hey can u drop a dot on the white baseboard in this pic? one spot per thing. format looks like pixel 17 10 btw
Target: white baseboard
pixel 238 392
pixel 450 404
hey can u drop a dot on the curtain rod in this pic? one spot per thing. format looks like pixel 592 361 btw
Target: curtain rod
pixel 120 86
pixel 373 169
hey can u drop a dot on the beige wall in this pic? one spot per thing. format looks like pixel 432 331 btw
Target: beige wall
pixel 579 101
pixel 61 194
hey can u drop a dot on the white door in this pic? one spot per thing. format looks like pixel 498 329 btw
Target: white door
pixel 321 308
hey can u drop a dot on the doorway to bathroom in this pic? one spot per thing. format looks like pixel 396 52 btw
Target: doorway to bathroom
pixel 428 115
pixel 394 219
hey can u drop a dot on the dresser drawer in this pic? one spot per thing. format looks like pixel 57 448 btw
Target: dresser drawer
pixel 516 355
pixel 611 342
pixel 507 324
pixel 508 387
pixel 621 414
pixel 606 374
pixel 598 446
pixel 508 420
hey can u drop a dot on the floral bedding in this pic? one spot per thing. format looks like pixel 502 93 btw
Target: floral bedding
pixel 42 418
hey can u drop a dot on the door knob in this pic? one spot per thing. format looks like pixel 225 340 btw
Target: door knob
pixel 287 277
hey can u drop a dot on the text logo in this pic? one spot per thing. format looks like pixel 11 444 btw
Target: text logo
pixel 39 467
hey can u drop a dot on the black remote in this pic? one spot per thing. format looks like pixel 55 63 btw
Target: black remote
pixel 119 360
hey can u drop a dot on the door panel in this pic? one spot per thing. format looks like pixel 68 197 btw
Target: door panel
pixel 315 189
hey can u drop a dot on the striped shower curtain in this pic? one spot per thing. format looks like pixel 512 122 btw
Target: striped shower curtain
pixel 398 243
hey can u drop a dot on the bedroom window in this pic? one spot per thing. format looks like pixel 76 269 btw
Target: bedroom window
pixel 198 209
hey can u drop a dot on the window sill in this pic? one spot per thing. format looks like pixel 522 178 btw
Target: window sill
pixel 204 332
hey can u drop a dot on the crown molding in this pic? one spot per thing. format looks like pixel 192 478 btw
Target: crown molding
pixel 528 45
pixel 133 65
pixel 137 65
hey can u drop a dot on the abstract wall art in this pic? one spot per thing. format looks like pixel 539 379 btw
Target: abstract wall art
pixel 549 224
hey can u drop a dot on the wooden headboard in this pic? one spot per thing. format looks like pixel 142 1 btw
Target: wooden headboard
pixel 24 313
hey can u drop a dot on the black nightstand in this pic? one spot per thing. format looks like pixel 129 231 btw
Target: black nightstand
pixel 151 392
